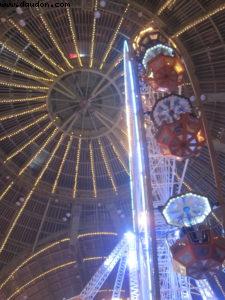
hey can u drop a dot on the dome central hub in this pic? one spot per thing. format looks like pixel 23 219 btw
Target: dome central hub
pixel 85 103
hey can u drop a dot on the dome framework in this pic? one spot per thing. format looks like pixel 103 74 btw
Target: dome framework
pixel 85 168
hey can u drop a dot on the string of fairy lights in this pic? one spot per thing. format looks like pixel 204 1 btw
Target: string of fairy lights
pixel 25 99
pixel 77 169
pixel 54 40
pixel 13 133
pixel 40 276
pixel 43 87
pixel 200 20
pixel 109 172
pixel 25 74
pixel 93 36
pixel 62 164
pixel 25 112
pixel 24 168
pixel 165 5
pixel 112 41
pixel 93 169
pixel 51 246
pixel 22 56
pixel 31 141
pixel 74 35
pixel 28 197
pixel 32 41
pixel 23 86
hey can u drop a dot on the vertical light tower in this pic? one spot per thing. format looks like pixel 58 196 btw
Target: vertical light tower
pixel 140 187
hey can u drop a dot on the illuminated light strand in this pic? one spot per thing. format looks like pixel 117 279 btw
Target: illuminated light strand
pixel 186 84
pixel 120 160
pixel 217 219
pixel 150 54
pixel 62 164
pixel 52 37
pixel 219 284
pixel 29 142
pixel 26 74
pixel 90 234
pixel 140 35
pixel 23 57
pixel 93 169
pixel 200 20
pixel 165 5
pixel 91 258
pixel 18 100
pixel 74 36
pixel 30 161
pixel 27 260
pixel 38 152
pixel 93 36
pixel 6 190
pixel 107 166
pixel 30 258
pixel 23 128
pixel 29 196
pixel 25 112
pixel 23 86
pixel 20 289
pixel 31 41
pixel 185 183
pixel 77 169
pixel 187 186
pixel 114 37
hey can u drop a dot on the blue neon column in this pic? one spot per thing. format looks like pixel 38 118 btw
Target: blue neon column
pixel 140 186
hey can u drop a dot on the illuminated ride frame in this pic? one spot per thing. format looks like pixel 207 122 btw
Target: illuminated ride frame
pixel 145 251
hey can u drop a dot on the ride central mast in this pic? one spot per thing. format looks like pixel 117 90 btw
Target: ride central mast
pixel 140 186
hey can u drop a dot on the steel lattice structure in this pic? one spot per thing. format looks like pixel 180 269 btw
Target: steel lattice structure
pixel 139 247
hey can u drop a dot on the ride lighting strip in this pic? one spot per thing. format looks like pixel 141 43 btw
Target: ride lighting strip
pixel 138 192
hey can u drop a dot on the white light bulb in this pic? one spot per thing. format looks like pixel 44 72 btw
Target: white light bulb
pixel 192 98
pixel 22 23
pixel 19 10
pixel 203 97
pixel 103 3
pixel 97 14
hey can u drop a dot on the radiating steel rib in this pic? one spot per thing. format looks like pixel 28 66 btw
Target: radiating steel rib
pixel 31 40
pixel 28 197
